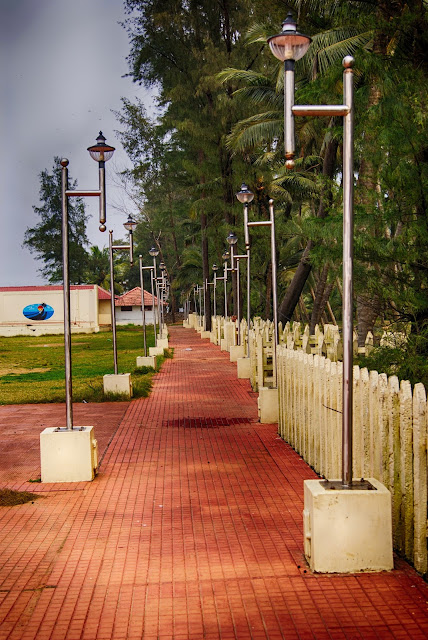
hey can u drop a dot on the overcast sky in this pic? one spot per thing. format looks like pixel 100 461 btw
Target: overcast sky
pixel 62 67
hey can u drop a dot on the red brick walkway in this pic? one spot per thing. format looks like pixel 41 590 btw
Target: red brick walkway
pixel 192 530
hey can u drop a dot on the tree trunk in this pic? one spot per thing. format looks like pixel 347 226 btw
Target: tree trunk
pixel 295 288
pixel 268 304
pixel 367 312
pixel 319 301
pixel 205 269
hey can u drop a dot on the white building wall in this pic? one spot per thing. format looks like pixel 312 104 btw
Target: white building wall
pixel 83 312
pixel 133 317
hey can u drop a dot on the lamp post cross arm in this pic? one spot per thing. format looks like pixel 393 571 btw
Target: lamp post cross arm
pixel 260 223
pixel 320 110
pixel 87 192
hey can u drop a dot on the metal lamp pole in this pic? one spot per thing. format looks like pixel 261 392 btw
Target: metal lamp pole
pixel 232 239
pixel 289 46
pixel 225 257
pixel 129 226
pixel 213 284
pixel 215 268
pixel 101 152
pixel 162 288
pixel 271 223
pixel 155 252
pixel 245 196
pixel 237 258
pixel 143 310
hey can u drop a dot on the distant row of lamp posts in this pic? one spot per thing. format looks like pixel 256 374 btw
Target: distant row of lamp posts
pixel 160 292
pixel 129 225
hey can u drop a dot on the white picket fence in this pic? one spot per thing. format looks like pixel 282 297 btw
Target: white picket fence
pixel 390 434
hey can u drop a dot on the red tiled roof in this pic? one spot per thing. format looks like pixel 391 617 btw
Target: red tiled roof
pixel 102 293
pixel 133 298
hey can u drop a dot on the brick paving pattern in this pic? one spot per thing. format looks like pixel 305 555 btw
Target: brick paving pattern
pixel 192 529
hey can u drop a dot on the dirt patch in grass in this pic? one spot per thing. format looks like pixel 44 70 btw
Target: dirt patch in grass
pixel 52 344
pixel 17 370
pixel 10 498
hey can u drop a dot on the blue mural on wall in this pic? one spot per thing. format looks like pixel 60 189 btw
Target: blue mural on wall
pixel 41 311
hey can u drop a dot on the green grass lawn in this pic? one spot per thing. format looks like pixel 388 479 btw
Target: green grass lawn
pixel 32 368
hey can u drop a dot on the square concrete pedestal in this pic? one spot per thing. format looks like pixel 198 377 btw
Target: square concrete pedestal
pixel 223 344
pixel 244 368
pixel 347 530
pixel 156 351
pixel 118 384
pixel 68 456
pixel 205 335
pixel 236 351
pixel 146 361
pixel 162 342
pixel 268 405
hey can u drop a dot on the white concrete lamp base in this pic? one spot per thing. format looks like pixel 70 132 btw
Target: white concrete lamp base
pixel 205 335
pixel 268 405
pixel 236 351
pixel 68 455
pixel 162 342
pixel 244 368
pixel 156 351
pixel 146 361
pixel 118 384
pixel 347 530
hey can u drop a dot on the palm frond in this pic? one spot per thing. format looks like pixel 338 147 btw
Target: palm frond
pixel 330 47
pixel 255 131
pixel 238 75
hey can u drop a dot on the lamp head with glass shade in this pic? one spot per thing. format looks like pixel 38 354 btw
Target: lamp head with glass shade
pixel 225 256
pixel 232 238
pixel 245 195
pixel 154 252
pixel 289 44
pixel 101 152
pixel 215 267
pixel 162 266
pixel 130 224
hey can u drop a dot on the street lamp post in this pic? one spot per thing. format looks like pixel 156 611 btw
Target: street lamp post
pixel 101 152
pixel 143 310
pixel 225 257
pixel 162 287
pixel 369 512
pixel 245 196
pixel 151 269
pixel 212 284
pixel 231 240
pixel 154 252
pixel 237 258
pixel 270 223
pixel 215 269
pixel 288 47
pixel 129 225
